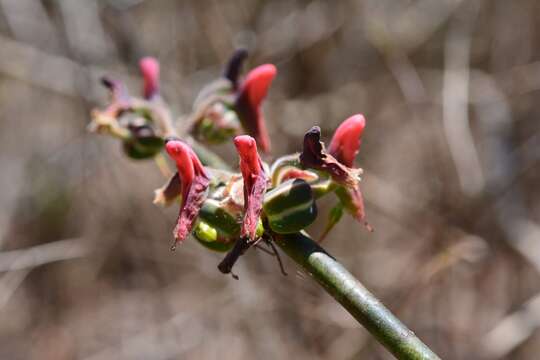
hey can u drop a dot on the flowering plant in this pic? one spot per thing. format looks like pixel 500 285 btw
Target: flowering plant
pixel 218 206
pixel 233 211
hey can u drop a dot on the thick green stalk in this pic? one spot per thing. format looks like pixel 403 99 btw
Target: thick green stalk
pixel 354 297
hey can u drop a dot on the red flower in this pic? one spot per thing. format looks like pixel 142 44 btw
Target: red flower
pixel 346 140
pixel 249 99
pixel 345 144
pixel 149 67
pixel 194 182
pixel 255 181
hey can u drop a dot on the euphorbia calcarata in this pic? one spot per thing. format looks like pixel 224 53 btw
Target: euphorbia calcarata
pixel 194 182
pixel 255 181
pixel 249 99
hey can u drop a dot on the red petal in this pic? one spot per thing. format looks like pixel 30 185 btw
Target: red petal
pixel 149 67
pixel 257 83
pixel 346 140
pixel 255 181
pixel 180 153
pixel 353 201
pixel 191 204
pixel 252 93
pixel 194 182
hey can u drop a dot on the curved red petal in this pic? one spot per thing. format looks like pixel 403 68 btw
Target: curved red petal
pixel 257 83
pixel 246 146
pixel 149 67
pixel 347 138
pixel 181 154
pixel 191 204
pixel 253 91
pixel 194 182
pixel 255 181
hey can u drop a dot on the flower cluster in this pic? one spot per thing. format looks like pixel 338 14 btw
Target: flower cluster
pixel 222 209
pixel 230 106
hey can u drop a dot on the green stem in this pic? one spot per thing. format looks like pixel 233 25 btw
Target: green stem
pixel 354 297
pixel 343 286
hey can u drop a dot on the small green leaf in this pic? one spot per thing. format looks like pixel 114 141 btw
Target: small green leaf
pixel 334 216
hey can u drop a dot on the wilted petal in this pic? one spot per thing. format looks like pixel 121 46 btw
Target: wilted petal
pixel 169 192
pixel 149 67
pixel 353 201
pixel 346 140
pixel 106 121
pixel 255 181
pixel 248 103
pixel 119 95
pixel 314 156
pixel 194 182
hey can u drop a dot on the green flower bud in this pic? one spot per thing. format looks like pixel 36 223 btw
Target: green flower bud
pixel 218 124
pixel 143 143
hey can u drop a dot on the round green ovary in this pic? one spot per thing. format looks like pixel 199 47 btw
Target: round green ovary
pixel 225 223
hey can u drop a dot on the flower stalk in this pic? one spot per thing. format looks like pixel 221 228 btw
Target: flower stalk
pixel 354 297
pixel 273 204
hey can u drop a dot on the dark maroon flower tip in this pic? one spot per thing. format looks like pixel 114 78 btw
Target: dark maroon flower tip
pixel 194 182
pixel 255 181
pixel 149 68
pixel 120 100
pixel 347 138
pixel 315 156
pixel 248 103
pixel 117 89
pixel 232 70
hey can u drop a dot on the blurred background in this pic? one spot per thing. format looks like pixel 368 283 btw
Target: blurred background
pixel 450 90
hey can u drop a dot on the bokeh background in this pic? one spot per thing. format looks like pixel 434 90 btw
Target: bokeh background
pixel 450 90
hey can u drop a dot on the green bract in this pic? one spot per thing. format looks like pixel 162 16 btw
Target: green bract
pixel 290 207
pixel 225 223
